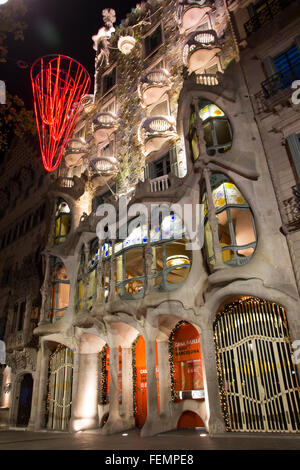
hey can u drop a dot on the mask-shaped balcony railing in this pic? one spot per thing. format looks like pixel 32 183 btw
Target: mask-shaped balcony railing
pixel 76 149
pixel 207 79
pixel 104 124
pixel 191 13
pixel 200 48
pixel 265 15
pixel 102 168
pixel 153 86
pixel 155 131
pixel 87 102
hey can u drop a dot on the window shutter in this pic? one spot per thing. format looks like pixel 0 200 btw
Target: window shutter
pixel 149 171
pixel 293 142
pixel 269 66
pixel 173 161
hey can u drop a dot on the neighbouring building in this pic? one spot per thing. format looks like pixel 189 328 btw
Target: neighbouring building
pixel 192 109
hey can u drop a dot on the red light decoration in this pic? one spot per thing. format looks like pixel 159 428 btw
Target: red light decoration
pixel 59 83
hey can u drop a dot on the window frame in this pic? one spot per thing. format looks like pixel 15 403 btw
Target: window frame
pixel 147 35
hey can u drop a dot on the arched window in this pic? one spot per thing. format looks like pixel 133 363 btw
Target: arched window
pixel 216 129
pixel 236 227
pixel 62 221
pixel 171 260
pixel 60 290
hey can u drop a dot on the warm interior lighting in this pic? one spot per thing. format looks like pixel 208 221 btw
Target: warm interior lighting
pixel 177 260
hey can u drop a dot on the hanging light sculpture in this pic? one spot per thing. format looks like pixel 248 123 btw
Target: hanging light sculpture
pixel 59 83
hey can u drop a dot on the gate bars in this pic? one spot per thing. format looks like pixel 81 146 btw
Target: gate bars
pixel 60 388
pixel 258 382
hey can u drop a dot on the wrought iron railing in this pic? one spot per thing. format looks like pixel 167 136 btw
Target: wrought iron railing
pixel 292 209
pixel 280 81
pixel 265 15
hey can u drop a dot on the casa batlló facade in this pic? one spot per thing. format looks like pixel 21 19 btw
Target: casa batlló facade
pixel 192 107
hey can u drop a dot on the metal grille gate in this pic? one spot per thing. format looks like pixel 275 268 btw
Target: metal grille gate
pixel 60 388
pixel 258 381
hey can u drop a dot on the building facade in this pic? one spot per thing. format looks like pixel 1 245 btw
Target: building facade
pixel 142 323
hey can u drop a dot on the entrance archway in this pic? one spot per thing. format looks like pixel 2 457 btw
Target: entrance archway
pixel 186 363
pixel 259 388
pixel 25 398
pixel 190 419
pixel 140 380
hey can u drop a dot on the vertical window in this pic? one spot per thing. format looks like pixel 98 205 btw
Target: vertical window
pixel 60 290
pixel 153 41
pixel 293 142
pixel 288 65
pixel 216 130
pixel 236 227
pixel 21 316
pixel 62 221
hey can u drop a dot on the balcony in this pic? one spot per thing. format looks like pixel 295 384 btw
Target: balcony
pixel 161 183
pixel 276 89
pixel 265 15
pixel 76 149
pixel 73 187
pixel 104 124
pixel 192 15
pixel 153 86
pixel 154 132
pixel 102 168
pixel 200 48
pixel 19 339
pixel 87 102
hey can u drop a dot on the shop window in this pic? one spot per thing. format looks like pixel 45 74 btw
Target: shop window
pixel 60 290
pixel 153 41
pixel 236 227
pixel 62 221
pixel 216 130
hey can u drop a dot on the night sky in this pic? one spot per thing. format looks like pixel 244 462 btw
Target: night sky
pixel 57 26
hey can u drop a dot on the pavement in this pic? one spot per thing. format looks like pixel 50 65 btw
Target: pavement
pixel 183 439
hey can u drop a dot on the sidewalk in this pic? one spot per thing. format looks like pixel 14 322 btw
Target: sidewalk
pixel 131 440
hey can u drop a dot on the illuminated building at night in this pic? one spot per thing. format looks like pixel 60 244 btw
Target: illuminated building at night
pixel 193 107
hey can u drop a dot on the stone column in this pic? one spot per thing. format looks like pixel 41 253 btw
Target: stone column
pixel 114 422
pixel 45 292
pixel 112 293
pixel 152 423
pixel 35 392
pixel 213 221
pixel 215 421
pixel 84 414
pixel 85 278
pixel 127 386
pixel 164 376
pixel 41 401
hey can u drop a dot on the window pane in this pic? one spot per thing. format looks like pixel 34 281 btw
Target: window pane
pixel 176 257
pixel 157 259
pixel 208 134
pixel 153 40
pixel 244 231
pixel 134 263
pixel 119 268
pixel 62 300
pixel 222 131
